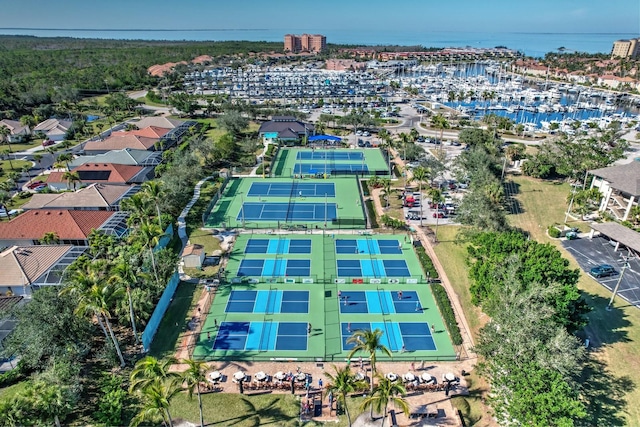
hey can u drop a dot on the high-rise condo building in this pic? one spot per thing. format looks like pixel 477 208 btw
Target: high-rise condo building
pixel 626 49
pixel 305 43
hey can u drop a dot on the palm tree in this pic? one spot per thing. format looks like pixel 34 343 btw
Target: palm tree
pixel 73 178
pixel 5 198
pixel 440 122
pixel 369 342
pixel 386 392
pixel 124 275
pixel 5 132
pixel 150 236
pixel 66 158
pixel 86 283
pixel 156 400
pixel 50 238
pixel 138 210
pixel 420 175
pixel 149 370
pixel 6 154
pixel 152 190
pixel 37 158
pixel 193 376
pixel 386 189
pixel 341 384
pixel 436 198
pixel 27 169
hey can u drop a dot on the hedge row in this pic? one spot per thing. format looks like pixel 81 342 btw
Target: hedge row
pixel 426 262
pixel 372 213
pixel 365 188
pixel 444 304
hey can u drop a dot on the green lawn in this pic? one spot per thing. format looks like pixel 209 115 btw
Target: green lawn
pixel 169 336
pixel 5 165
pixel 249 411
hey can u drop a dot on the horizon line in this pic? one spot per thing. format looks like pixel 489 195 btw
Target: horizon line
pixel 155 30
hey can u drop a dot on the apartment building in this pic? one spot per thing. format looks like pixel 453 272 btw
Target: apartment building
pixel 626 49
pixel 305 43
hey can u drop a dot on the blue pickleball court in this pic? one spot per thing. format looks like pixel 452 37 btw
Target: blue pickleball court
pixel 279 246
pixel 292 189
pixel 268 302
pixel 412 336
pixel 380 302
pixel 375 268
pixel 261 336
pixel 259 211
pixel 274 267
pixel 368 246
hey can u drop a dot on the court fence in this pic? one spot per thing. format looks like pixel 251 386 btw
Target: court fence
pixel 158 313
pixel 215 198
pixel 266 356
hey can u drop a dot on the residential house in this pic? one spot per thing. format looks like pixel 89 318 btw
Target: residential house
pixel 53 129
pixel 286 129
pixel 620 188
pixel 178 127
pixel 127 156
pixel 103 173
pixel 95 197
pixel 17 129
pixel 24 269
pixel 71 226
pixel 122 141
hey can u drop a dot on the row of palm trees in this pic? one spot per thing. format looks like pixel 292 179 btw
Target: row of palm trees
pixel 156 384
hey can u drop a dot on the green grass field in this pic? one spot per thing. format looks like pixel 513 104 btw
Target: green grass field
pixel 228 211
pixel 323 285
pixel 284 164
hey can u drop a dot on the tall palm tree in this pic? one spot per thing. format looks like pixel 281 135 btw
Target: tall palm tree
pixel 386 189
pixel 123 274
pixel 72 178
pixel 66 158
pixel 368 342
pixel 5 198
pixel 440 122
pixel 87 284
pixel 5 132
pixel 150 236
pixel 152 190
pixel 149 370
pixel 137 208
pixel 156 400
pixel 6 154
pixel 195 374
pixel 420 175
pixel 341 384
pixel 436 197
pixel 384 393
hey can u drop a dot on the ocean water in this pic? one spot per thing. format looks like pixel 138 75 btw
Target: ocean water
pixel 531 44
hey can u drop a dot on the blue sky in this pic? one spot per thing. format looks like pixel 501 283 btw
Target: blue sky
pixel 588 16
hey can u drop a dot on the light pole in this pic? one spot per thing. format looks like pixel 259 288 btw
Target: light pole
pixel 615 290
pixel 242 208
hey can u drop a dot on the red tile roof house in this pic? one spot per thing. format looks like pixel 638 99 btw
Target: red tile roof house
pixel 102 173
pixel 71 226
pixel 144 139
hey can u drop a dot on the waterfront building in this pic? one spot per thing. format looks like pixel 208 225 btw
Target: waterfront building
pixel 626 49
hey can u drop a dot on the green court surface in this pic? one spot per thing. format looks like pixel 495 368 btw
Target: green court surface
pixel 271 203
pixel 292 162
pixel 267 317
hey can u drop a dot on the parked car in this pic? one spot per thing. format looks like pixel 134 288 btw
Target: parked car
pixel 420 139
pixel 35 184
pixel 47 142
pixel 603 270
pixel 366 133
pixel 439 215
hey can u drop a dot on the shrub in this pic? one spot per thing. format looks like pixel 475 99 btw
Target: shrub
pixel 112 401
pixel 554 232
pixel 365 188
pixel 444 304
pixel 262 169
pixel 426 262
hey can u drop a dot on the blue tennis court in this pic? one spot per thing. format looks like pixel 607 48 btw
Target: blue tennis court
pixel 368 246
pixel 322 168
pixel 271 302
pixel 372 268
pixel 261 336
pixel 329 155
pixel 288 189
pixel 380 302
pixel 258 211
pixel 412 335
pixel 274 267
pixel 278 246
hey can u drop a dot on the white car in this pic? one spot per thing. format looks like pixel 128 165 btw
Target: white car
pixel 12 212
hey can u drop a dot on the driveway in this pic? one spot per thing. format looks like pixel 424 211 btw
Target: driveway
pixel 592 252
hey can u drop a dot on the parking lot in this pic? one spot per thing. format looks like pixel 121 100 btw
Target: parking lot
pixel 590 253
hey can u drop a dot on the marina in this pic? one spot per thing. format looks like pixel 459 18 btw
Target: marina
pixel 469 90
